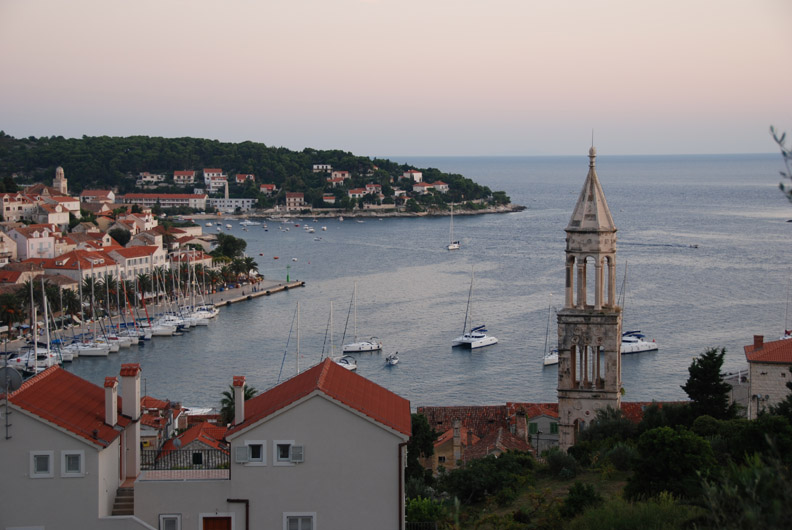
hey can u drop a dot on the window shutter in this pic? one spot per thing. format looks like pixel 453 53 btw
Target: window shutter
pixel 241 454
pixel 297 453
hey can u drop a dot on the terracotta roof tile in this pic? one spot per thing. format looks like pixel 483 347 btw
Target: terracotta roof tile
pixel 353 390
pixel 778 351
pixel 72 403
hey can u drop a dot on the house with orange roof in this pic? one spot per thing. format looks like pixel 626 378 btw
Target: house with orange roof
pixel 343 175
pixel 335 181
pixel 413 174
pixel 200 446
pixel 136 260
pixel 356 193
pixel 184 178
pixel 191 257
pixel 16 206
pixel 422 188
pixel 71 204
pixel 97 208
pixel 67 452
pixel 328 198
pixel 768 366
pixel 33 242
pixel 440 186
pixel 295 200
pixel 143 221
pixel 450 446
pixel 98 196
pixel 93 240
pixel 241 178
pixel 78 264
pixel 268 189
pixel 298 453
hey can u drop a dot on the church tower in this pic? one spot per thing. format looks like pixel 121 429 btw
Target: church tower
pixel 60 181
pixel 589 326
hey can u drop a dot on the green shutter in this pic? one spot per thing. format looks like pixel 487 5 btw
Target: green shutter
pixel 533 428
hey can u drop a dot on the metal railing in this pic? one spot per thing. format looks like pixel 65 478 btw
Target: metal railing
pixel 184 459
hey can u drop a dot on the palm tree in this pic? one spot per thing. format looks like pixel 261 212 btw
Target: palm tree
pixel 227 409
pixel 11 310
pixel 71 302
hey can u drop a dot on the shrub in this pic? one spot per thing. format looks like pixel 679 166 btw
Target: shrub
pixel 621 456
pixel 506 496
pixel 422 510
pixel 561 464
pixel 663 513
pixel 580 497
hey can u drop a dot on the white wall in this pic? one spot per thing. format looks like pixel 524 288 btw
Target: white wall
pixel 349 477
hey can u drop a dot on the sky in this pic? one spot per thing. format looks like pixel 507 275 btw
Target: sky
pixel 404 77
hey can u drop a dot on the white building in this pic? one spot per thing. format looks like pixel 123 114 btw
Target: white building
pixel 167 200
pixel 33 242
pixel 68 450
pixel 184 178
pixel 230 205
pixel 294 201
pixel 768 364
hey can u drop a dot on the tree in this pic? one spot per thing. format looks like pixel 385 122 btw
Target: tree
pixel 706 387
pixel 786 153
pixel 672 461
pixel 121 235
pixel 421 444
pixel 227 409
pixel 11 310
pixel 229 246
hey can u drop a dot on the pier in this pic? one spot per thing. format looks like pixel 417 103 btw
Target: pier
pixel 248 292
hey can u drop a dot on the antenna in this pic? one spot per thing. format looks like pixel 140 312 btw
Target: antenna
pixel 592 137
pixel 10 379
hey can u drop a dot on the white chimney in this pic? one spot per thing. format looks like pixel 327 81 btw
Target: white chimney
pixel 130 406
pixel 111 400
pixel 239 399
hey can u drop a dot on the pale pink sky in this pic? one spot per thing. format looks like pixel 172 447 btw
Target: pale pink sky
pixel 404 77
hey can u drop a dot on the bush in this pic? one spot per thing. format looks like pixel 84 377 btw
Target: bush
pixel 663 513
pixel 506 496
pixel 422 510
pixel 561 464
pixel 580 497
pixel 621 456
pixel 486 476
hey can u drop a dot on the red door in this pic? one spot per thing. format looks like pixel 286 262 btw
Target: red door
pixel 216 523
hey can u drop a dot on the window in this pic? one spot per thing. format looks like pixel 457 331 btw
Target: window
pixel 554 428
pixel 285 453
pixel 441 459
pixel 299 521
pixel 197 459
pixel 41 464
pixel 72 463
pixel 252 453
pixel 171 521
pixel 533 428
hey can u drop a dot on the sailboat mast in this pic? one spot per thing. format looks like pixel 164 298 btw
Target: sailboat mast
pixel 468 311
pixel 46 316
pixel 332 349
pixel 354 296
pixel 298 338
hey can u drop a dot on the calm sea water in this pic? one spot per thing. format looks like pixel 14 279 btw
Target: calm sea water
pixel 412 293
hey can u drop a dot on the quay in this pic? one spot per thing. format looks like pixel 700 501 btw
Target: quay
pixel 248 292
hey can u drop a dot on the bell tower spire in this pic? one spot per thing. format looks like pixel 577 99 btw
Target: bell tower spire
pixel 589 326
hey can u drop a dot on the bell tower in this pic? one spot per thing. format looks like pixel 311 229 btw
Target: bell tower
pixel 60 183
pixel 589 325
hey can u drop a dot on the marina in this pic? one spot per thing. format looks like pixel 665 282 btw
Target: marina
pixel 688 298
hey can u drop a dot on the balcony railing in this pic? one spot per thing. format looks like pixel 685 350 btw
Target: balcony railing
pixel 196 464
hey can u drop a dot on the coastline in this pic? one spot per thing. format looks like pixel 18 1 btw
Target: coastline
pixel 332 213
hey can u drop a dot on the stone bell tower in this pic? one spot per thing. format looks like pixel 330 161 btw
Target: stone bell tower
pixel 589 326
pixel 60 182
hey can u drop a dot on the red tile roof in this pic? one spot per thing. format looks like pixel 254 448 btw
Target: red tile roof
pixel 204 433
pixel 353 390
pixel 466 437
pixel 777 351
pixel 481 419
pixel 135 252
pixel 9 276
pixel 500 440
pixel 95 193
pixel 69 402
pixel 148 402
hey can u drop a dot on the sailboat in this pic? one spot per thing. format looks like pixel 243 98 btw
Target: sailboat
pixel 373 344
pixel 550 355
pixel 452 245
pixel 345 361
pixel 475 336
pixel 633 341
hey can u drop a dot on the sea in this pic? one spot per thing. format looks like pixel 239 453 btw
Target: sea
pixel 703 261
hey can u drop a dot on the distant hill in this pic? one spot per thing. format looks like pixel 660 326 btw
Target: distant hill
pixel 115 162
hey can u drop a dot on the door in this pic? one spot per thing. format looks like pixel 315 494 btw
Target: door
pixel 216 523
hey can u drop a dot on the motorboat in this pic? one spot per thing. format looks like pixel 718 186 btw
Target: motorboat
pixel 346 362
pixel 248 222
pixel 392 359
pixel 87 348
pixel 453 243
pixel 475 338
pixel 635 342
pixel 372 344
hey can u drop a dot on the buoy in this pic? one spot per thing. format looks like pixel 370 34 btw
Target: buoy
pixel 275 257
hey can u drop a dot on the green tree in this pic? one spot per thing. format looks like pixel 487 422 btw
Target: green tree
pixel 706 387
pixel 227 409
pixel 121 235
pixel 11 310
pixel 671 461
pixel 421 444
pixel 229 246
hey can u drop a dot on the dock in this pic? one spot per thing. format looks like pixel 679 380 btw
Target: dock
pixel 248 292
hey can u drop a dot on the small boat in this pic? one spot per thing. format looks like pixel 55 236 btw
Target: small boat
pixel 219 228
pixel 317 239
pixel 453 244
pixel 346 362
pixel 248 222
pixel 324 229
pixel 550 355
pixel 228 225
pixel 392 359
pixel 477 336
pixel 294 259
pixel 372 344
pixel 209 224
pixel 274 257
pixel 635 342
pixel 261 253
pixel 340 217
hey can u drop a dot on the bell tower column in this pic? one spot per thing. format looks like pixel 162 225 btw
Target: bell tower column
pixel 589 336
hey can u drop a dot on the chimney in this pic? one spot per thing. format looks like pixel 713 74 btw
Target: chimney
pixel 130 406
pixel 239 399
pixel 226 190
pixel 758 342
pixel 457 441
pixel 111 400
